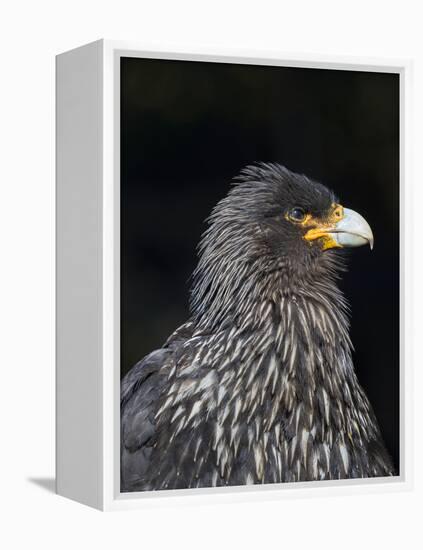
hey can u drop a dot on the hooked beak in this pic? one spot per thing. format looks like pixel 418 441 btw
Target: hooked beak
pixel 352 230
pixel 345 228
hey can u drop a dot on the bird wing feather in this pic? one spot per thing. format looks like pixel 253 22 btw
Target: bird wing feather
pixel 141 389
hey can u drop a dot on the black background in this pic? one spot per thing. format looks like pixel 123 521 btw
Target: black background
pixel 187 128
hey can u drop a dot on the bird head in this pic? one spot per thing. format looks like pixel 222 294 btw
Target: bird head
pixel 300 216
pixel 272 221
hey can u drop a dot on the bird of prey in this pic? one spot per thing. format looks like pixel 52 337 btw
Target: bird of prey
pixel 258 386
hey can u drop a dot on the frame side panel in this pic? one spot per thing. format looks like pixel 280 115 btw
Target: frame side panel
pixel 79 274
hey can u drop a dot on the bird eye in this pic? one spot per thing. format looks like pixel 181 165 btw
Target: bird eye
pixel 297 214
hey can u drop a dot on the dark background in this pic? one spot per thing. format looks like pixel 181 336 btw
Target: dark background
pixel 187 128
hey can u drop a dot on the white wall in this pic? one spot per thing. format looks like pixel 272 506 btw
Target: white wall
pixel 32 32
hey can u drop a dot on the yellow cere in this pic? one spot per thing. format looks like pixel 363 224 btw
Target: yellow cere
pixel 321 228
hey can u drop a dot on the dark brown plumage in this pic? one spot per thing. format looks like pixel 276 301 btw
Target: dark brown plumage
pixel 258 386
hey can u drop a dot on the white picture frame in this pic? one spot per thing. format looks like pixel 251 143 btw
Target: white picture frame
pixel 88 381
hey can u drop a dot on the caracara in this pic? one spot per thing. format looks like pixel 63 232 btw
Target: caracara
pixel 258 386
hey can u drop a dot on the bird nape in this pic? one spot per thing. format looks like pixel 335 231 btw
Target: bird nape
pixel 258 386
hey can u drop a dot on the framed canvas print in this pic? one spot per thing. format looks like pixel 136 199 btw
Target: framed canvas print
pixel 231 275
